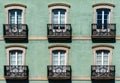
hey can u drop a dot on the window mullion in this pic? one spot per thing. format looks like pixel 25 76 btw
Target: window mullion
pixel 16 58
pixel 15 17
pixel 58 58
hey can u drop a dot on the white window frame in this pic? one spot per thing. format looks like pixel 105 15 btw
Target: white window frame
pixel 59 57
pixel 16 47
pixel 59 6
pixel 103 47
pixel 102 57
pixel 58 47
pixel 100 6
pixel 15 6
pixel 16 13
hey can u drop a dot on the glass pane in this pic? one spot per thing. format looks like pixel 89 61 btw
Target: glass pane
pixel 15 57
pixel 58 16
pixel 15 16
pixel 58 57
pixel 12 58
pixel 62 16
pixel 19 58
pixel 103 16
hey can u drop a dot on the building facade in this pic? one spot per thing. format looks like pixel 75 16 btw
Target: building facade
pixel 59 41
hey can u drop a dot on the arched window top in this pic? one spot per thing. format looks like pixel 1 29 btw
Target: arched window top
pixel 15 5
pixel 16 46
pixel 59 46
pixel 103 46
pixel 59 4
pixel 104 4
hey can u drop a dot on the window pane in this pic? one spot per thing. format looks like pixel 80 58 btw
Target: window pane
pixel 16 57
pixel 15 16
pixel 102 16
pixel 58 57
pixel 58 16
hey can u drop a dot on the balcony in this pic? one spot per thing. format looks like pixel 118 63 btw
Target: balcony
pixel 59 31
pixel 16 71
pixel 102 72
pixel 104 32
pixel 59 72
pixel 15 31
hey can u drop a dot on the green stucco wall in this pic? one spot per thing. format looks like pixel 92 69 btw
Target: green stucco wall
pixel 80 52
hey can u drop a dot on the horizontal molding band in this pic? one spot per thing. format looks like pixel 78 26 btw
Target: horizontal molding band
pixel 45 38
pixel 74 78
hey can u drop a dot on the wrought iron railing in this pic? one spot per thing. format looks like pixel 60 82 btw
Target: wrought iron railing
pixel 103 31
pixel 59 72
pixel 15 30
pixel 102 72
pixel 16 71
pixel 59 30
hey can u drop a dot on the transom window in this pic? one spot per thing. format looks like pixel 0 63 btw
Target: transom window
pixel 58 16
pixel 15 16
pixel 59 57
pixel 102 57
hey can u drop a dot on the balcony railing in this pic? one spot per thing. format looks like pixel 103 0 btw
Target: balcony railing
pixel 59 72
pixel 103 31
pixel 59 31
pixel 102 72
pixel 16 72
pixel 15 31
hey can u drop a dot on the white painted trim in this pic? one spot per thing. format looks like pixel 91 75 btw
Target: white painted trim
pixel 15 7
pixel 15 48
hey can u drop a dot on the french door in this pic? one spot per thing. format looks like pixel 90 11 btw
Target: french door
pixel 103 18
pixel 15 16
pixel 59 57
pixel 16 57
pixel 102 61
pixel 58 16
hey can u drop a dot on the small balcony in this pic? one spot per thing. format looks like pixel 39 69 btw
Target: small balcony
pixel 102 72
pixel 15 31
pixel 59 31
pixel 61 72
pixel 104 32
pixel 16 71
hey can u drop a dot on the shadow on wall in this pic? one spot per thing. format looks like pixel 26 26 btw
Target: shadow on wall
pixel 17 81
pixel 103 81
pixel 60 81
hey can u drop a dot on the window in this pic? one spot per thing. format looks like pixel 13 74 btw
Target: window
pixel 103 17
pixel 103 13
pixel 15 55
pixel 15 27
pixel 102 54
pixel 59 67
pixel 59 13
pixel 15 16
pixel 102 68
pixel 59 16
pixel 59 57
pixel 15 68
pixel 15 13
pixel 102 57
